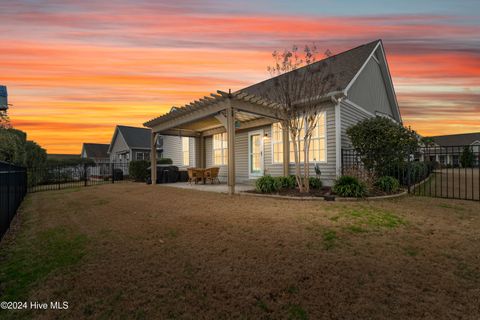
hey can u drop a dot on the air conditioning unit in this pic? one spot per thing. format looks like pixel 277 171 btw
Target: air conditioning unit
pixel 3 98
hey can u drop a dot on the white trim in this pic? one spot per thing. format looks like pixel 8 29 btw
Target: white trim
pixel 271 145
pixel 338 140
pixel 391 85
pixel 361 69
pixel 262 153
pixel 475 143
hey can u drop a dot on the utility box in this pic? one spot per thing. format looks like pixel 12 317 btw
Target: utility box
pixel 3 98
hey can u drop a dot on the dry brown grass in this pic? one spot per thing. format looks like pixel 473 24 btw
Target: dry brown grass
pixel 155 252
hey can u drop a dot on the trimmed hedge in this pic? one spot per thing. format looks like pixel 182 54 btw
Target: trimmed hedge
pixel 289 182
pixel 138 170
pixel 315 183
pixel 267 184
pixel 164 161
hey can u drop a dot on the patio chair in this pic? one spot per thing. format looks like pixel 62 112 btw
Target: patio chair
pixel 194 175
pixel 211 174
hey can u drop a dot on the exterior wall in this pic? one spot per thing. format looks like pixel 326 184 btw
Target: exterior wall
pixel 369 90
pixel 172 148
pixel 349 116
pixel 241 154
pixel 118 146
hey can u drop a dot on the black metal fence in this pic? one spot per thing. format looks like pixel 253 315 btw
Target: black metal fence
pixel 64 176
pixel 444 172
pixel 13 187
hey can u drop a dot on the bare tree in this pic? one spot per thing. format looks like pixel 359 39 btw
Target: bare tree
pixel 299 84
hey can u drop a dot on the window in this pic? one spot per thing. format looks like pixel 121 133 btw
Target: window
pixel 277 143
pixel 142 155
pixel 317 150
pixel 220 149
pixel 186 150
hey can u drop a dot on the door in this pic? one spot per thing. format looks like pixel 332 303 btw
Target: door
pixel 255 154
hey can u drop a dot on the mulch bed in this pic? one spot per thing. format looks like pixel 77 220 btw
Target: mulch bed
pixel 296 193
pixel 324 191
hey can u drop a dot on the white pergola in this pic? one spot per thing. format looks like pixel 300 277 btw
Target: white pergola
pixel 220 112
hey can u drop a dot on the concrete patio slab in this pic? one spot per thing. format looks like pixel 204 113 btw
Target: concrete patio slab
pixel 218 188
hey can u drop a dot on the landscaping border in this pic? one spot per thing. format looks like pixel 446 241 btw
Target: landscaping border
pixel 277 196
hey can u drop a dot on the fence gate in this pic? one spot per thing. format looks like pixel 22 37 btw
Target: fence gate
pixel 451 172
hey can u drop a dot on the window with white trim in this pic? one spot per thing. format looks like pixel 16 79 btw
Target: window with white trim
pixel 277 143
pixel 186 151
pixel 220 149
pixel 142 155
pixel 317 150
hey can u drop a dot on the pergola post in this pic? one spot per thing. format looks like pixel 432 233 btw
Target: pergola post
pixel 153 157
pixel 286 151
pixel 231 146
pixel 202 151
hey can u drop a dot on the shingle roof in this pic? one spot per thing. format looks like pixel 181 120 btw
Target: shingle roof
pixel 457 139
pixel 136 137
pixel 339 69
pixel 96 150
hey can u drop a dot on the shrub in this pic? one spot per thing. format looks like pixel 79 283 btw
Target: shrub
pixel 164 161
pixel 380 142
pixel 286 182
pixel 387 184
pixel 138 170
pixel 267 184
pixel 347 186
pixel 315 183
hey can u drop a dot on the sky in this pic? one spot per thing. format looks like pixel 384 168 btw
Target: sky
pixel 75 69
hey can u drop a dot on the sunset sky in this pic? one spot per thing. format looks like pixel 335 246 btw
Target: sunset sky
pixel 75 69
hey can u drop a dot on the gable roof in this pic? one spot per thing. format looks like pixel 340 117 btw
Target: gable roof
pixel 339 69
pixel 135 137
pixel 462 139
pixel 95 150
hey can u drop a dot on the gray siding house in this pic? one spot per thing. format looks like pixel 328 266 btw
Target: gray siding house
pixel 361 87
pixel 448 149
pixel 133 143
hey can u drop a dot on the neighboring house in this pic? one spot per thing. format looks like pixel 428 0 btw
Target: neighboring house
pixel 98 152
pixel 448 149
pixel 360 87
pixel 132 143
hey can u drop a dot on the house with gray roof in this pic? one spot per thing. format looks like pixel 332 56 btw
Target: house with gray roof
pixel 447 149
pixel 240 132
pixel 134 143
pixel 95 151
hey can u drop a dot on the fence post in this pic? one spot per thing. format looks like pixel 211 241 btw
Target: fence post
pixel 84 174
pixel 408 173
pixel 113 172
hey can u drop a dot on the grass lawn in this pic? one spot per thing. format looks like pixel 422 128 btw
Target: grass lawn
pixel 132 251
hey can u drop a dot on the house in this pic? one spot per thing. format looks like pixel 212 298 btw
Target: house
pixel 133 143
pixel 98 152
pixel 240 131
pixel 447 149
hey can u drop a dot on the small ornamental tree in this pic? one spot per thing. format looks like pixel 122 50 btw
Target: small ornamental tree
pixel 467 157
pixel 381 143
